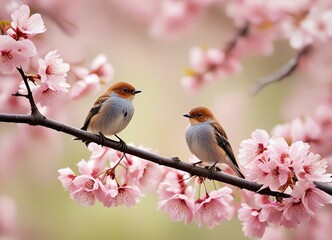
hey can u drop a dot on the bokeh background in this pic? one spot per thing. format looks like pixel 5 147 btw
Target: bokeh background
pixel 155 66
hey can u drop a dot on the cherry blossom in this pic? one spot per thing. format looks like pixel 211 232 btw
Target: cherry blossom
pixel 25 25
pixel 253 226
pixel 14 54
pixel 179 206
pixel 215 208
pixel 52 72
pixel 253 149
pixel 89 80
pixel 208 65
pixel 109 177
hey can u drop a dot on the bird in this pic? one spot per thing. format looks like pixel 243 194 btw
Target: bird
pixel 111 112
pixel 208 141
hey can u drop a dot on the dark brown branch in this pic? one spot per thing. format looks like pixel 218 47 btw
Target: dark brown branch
pixel 169 162
pixel 37 119
pixel 285 71
pixel 34 110
pixel 241 32
pixel 324 187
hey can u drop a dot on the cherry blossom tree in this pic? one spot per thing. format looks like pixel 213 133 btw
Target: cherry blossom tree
pixel 287 185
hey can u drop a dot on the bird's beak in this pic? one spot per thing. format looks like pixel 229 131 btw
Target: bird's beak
pixel 187 115
pixel 135 92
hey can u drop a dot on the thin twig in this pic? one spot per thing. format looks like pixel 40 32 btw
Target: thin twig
pixel 281 73
pixel 241 32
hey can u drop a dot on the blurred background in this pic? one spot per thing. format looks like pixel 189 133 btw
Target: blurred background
pixel 155 66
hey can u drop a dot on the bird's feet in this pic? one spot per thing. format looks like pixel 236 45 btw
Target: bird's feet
pixel 123 145
pixel 212 170
pixel 196 163
pixel 102 139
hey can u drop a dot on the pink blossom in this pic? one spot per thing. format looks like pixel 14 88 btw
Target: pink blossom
pixel 102 68
pixel 252 224
pixel 145 174
pixel 201 60
pixel 174 182
pixel 315 27
pixel 304 129
pixel 254 148
pixel 313 199
pixel 14 54
pixel 274 175
pixel 66 178
pixel 179 206
pixel 255 12
pixel 314 169
pixel 24 25
pixel 127 195
pixel 53 71
pixel 294 213
pixel 173 17
pixel 175 197
pixel 85 184
pixel 52 84
pixel 214 208
pixel 89 80
pixel 208 65
pixel 84 189
pixel 43 93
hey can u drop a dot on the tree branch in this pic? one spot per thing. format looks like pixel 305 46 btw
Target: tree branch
pixel 169 162
pixel 281 73
pixel 34 110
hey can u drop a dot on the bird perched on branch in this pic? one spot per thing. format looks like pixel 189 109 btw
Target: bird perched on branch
pixel 207 140
pixel 112 112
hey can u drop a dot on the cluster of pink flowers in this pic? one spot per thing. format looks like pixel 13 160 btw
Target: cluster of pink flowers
pixel 302 23
pixel 292 169
pixel 114 180
pixel 16 49
pixel 315 129
pixel 177 196
pixel 172 17
pixel 205 66
pixel 110 178
pixel 88 80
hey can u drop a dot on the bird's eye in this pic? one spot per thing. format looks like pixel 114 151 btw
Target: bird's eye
pixel 125 90
pixel 199 114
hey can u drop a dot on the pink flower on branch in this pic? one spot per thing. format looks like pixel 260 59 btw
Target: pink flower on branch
pixel 179 206
pixel 14 54
pixel 53 70
pixel 52 84
pixel 208 65
pixel 108 177
pixel 89 80
pixel 253 225
pixel 175 197
pixel 24 25
pixel 214 208
pixel 254 148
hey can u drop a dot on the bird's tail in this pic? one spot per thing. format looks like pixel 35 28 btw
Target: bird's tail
pixel 239 173
pixel 78 138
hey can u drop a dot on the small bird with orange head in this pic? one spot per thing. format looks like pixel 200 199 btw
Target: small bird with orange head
pixel 112 111
pixel 208 141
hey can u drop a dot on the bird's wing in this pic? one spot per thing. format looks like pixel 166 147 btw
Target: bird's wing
pixel 94 110
pixel 222 141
